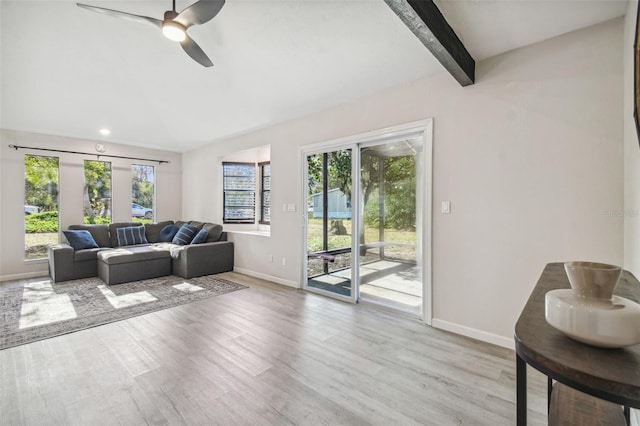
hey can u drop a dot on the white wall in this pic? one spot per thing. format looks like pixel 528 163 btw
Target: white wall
pixel 530 157
pixel 168 190
pixel 631 153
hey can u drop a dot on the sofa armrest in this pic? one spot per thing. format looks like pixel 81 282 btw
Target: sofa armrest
pixel 204 259
pixel 60 262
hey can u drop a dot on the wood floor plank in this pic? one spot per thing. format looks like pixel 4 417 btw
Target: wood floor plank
pixel 267 355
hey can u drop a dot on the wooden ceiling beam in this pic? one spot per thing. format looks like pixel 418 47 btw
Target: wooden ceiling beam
pixel 426 21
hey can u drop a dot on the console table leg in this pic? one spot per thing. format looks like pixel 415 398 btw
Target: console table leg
pixel 549 390
pixel 627 415
pixel 521 391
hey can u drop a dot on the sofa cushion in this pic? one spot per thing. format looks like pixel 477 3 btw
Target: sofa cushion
pixel 196 224
pixel 131 254
pixel 131 236
pixel 88 254
pixel 179 223
pixel 152 230
pixel 167 233
pixel 185 235
pixel 100 233
pixel 80 239
pixel 113 231
pixel 214 230
pixel 201 237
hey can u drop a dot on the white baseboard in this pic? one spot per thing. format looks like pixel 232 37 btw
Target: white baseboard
pixel 23 276
pixel 266 277
pixel 473 333
pixel 436 323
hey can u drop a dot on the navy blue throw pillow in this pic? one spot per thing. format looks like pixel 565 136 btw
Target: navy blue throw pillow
pixel 185 235
pixel 131 235
pixel 200 237
pixel 167 233
pixel 80 240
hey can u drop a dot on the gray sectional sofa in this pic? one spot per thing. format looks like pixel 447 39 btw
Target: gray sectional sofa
pixel 116 264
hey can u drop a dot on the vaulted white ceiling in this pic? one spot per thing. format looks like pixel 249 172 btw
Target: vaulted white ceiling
pixel 68 71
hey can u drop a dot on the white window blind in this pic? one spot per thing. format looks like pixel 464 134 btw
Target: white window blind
pixel 239 187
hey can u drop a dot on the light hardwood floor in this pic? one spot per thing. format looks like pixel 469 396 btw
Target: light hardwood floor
pixel 267 355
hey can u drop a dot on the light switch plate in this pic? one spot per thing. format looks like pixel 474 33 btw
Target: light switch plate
pixel 446 207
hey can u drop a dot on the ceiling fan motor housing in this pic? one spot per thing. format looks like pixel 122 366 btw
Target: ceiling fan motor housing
pixel 170 15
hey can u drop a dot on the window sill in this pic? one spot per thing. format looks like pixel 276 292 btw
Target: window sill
pixel 258 233
pixel 40 260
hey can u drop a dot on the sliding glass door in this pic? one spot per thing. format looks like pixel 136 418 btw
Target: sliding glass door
pixel 330 222
pixel 390 272
pixel 368 211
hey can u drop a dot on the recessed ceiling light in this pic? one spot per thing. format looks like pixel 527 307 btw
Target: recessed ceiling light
pixel 105 132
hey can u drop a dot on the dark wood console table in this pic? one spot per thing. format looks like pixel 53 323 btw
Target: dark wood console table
pixel 609 374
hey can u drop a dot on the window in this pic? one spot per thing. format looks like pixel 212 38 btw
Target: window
pixel 142 193
pixel 239 192
pixel 96 200
pixel 40 204
pixel 265 190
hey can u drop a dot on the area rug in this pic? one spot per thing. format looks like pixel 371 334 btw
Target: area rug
pixel 39 309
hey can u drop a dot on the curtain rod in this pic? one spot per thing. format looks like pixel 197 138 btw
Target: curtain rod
pixel 16 147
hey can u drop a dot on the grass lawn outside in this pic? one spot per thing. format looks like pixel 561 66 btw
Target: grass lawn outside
pixel 371 234
pixel 35 244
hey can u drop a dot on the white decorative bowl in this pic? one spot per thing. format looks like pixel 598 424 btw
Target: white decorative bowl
pixel 613 323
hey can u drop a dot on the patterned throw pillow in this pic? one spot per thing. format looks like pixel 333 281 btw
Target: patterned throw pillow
pixel 131 235
pixel 80 240
pixel 200 237
pixel 185 235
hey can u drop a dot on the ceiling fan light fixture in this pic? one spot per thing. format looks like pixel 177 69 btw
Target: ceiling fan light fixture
pixel 174 25
pixel 174 30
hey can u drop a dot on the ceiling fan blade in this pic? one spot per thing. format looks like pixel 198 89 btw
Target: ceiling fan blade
pixel 199 12
pixel 116 13
pixel 196 53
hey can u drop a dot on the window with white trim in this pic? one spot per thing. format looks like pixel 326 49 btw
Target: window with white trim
pixel 265 192
pixel 96 201
pixel 40 204
pixel 239 192
pixel 142 193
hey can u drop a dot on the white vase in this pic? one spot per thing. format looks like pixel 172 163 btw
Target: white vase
pixel 589 312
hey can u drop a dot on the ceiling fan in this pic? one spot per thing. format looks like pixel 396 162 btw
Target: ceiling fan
pixel 175 25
